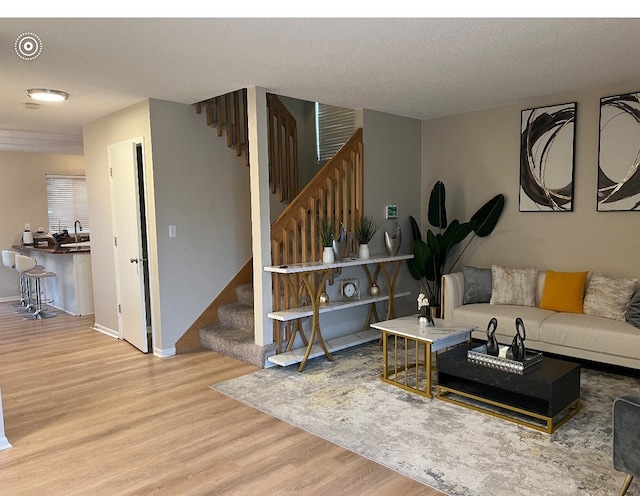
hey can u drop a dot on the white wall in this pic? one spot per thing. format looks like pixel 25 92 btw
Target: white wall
pixel 23 198
pixel 477 156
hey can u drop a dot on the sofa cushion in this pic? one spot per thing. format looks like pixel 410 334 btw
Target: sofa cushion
pixel 477 285
pixel 479 314
pixel 563 291
pixel 513 286
pixel 608 296
pixel 633 310
pixel 592 333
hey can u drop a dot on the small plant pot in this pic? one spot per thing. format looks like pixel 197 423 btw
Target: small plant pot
pixel 327 254
pixel 363 251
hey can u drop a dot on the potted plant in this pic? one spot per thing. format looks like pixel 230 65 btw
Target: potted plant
pixel 326 233
pixel 365 228
pixel 430 260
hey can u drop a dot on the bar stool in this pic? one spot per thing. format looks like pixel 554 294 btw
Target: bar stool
pixel 9 261
pixel 29 267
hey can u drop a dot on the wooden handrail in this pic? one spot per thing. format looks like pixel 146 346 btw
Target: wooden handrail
pixel 283 150
pixel 335 192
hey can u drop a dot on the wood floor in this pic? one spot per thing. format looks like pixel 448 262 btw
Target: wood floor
pixel 90 415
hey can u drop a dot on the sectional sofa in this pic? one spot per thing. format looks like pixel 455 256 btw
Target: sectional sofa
pixel 581 315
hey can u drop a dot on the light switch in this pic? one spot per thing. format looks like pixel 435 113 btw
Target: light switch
pixel 172 231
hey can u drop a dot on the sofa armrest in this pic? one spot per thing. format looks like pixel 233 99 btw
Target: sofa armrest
pixel 452 293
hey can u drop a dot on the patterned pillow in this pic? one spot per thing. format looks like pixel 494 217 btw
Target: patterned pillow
pixel 477 285
pixel 513 286
pixel 633 310
pixel 608 296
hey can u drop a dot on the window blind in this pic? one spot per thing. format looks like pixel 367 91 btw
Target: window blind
pixel 334 127
pixel 67 202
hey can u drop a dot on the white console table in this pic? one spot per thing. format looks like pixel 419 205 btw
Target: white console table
pixel 312 279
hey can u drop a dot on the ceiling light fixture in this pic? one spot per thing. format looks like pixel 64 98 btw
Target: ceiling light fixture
pixel 47 95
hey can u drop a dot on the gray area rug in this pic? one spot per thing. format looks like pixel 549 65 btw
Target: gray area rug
pixel 453 449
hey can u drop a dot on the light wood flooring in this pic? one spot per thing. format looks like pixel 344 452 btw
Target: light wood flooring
pixel 90 415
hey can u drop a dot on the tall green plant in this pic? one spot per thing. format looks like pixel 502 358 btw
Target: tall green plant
pixel 430 255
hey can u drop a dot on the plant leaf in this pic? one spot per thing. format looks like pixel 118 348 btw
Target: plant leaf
pixel 415 229
pixel 421 256
pixel 486 218
pixel 455 234
pixel 437 212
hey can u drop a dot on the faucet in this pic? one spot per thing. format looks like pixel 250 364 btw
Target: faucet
pixel 75 229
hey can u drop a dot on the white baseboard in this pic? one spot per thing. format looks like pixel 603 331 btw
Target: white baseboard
pixel 9 298
pixel 106 330
pixel 159 352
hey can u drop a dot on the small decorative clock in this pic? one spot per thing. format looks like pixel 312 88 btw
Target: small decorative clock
pixel 349 289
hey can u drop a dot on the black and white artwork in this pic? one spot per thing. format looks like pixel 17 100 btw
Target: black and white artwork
pixel 619 155
pixel 547 148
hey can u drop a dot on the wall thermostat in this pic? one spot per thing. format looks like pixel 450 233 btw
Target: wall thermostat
pixel 391 212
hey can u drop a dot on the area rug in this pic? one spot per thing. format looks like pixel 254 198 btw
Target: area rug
pixel 450 448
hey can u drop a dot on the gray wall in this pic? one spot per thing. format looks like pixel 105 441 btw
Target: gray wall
pixel 193 182
pixel 477 156
pixel 202 188
pixel 23 198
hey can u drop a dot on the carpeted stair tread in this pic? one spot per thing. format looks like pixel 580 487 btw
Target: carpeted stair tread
pixel 236 315
pixel 233 336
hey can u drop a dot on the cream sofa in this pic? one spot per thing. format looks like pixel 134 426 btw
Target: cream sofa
pixel 569 334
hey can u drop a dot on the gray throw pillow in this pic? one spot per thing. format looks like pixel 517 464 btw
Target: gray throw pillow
pixel 477 285
pixel 633 310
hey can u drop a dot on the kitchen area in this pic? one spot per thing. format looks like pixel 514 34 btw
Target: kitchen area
pixel 68 256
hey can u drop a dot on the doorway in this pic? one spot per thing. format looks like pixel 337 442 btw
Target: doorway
pixel 128 200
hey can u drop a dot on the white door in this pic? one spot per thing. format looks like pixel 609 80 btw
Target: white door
pixel 127 243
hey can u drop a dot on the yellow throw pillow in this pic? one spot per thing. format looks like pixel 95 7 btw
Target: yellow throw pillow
pixel 563 291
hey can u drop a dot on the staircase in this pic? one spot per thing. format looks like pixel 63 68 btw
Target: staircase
pixel 233 336
pixel 335 191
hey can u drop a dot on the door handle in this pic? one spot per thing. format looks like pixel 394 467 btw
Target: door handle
pixel 136 260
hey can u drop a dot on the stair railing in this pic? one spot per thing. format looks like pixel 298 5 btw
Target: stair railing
pixel 335 192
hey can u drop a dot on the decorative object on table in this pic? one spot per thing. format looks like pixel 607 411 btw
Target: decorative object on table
pixel 429 260
pixel 424 319
pixel 618 171
pixel 374 290
pixel 349 289
pixel 365 228
pixel 326 233
pixel 323 298
pixel 492 342
pixel 392 243
pixel 340 244
pixel 517 345
pixel 547 147
pixel 504 360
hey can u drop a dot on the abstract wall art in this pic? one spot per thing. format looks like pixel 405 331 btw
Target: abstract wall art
pixel 547 149
pixel 619 154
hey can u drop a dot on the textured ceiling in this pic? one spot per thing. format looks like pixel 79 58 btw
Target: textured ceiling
pixel 421 68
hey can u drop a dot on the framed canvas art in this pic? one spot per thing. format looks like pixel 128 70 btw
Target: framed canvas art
pixel 619 153
pixel 547 149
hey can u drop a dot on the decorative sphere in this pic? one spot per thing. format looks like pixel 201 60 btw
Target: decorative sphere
pixel 324 298
pixel 374 290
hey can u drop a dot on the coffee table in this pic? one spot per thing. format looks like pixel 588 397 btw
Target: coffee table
pixel 408 346
pixel 544 397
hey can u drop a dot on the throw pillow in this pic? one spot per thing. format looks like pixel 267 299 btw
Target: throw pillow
pixel 608 296
pixel 477 285
pixel 563 291
pixel 633 310
pixel 513 286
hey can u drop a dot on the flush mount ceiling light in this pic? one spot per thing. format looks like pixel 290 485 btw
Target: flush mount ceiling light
pixel 47 95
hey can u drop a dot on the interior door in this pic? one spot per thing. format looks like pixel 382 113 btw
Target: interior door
pixel 127 243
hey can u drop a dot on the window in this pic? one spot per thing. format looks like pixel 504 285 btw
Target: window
pixel 334 127
pixel 67 202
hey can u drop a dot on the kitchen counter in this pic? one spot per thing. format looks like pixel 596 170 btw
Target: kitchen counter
pixel 72 288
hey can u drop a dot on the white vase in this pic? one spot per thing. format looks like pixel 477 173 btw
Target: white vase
pixel 363 251
pixel 328 255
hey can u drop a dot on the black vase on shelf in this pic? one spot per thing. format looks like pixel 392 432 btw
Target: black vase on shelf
pixel 492 342
pixel 517 345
